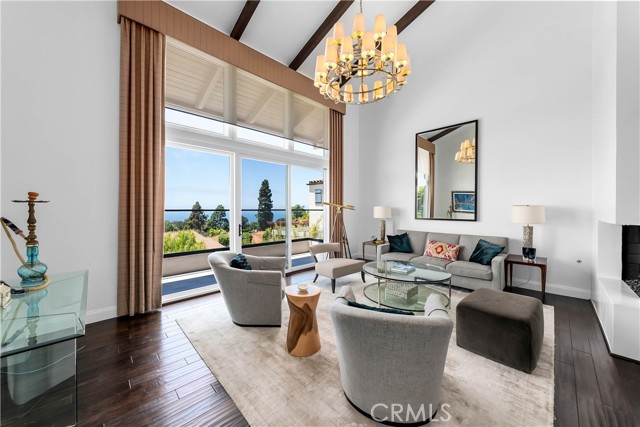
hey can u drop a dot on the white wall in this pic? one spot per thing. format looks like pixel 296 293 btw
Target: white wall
pixel 60 98
pixel 523 70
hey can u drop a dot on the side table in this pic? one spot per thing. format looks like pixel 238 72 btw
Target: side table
pixel 303 338
pixel 377 248
pixel 539 262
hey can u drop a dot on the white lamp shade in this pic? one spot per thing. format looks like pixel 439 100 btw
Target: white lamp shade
pixel 527 214
pixel 381 212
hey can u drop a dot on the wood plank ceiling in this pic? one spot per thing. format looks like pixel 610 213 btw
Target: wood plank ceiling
pixel 284 30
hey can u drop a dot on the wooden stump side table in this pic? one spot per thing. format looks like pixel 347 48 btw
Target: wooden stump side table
pixel 539 262
pixel 303 338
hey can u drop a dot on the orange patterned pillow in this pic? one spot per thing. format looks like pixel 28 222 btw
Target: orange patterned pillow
pixel 442 250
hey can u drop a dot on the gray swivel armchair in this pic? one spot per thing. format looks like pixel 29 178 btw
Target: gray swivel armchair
pixel 392 359
pixel 253 297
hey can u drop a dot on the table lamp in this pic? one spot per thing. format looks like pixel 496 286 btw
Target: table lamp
pixel 527 215
pixel 382 213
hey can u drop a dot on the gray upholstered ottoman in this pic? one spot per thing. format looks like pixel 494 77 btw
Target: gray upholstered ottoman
pixel 504 327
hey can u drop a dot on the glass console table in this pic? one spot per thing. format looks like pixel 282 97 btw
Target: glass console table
pixel 38 332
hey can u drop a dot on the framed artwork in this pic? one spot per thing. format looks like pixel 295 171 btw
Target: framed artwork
pixel 463 201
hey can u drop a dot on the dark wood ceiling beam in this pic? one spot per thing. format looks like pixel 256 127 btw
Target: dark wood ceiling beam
pixel 412 14
pixel 243 20
pixel 322 31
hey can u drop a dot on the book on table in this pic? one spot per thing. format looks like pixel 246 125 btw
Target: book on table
pixel 402 268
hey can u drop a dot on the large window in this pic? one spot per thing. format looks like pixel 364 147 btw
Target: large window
pixel 245 169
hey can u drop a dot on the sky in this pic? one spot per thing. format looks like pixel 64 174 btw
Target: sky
pixel 193 175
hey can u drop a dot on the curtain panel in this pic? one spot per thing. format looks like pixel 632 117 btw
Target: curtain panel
pixel 336 160
pixel 142 143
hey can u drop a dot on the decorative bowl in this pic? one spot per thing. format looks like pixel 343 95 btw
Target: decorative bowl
pixel 302 287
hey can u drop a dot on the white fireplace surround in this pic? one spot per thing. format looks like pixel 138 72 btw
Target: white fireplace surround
pixel 617 306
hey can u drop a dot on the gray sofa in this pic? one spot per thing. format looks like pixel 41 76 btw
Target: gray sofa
pixel 253 297
pixel 388 360
pixel 464 274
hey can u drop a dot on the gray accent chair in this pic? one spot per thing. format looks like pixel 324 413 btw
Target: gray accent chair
pixel 253 297
pixel 464 273
pixel 334 268
pixel 390 359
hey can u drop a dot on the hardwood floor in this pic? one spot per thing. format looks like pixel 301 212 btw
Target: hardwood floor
pixel 143 371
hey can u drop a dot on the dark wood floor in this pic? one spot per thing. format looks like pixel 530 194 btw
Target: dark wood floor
pixel 143 371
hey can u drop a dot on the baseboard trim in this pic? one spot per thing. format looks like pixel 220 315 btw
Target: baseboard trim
pixel 567 291
pixel 100 314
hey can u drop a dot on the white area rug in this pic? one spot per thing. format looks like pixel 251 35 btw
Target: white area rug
pixel 272 388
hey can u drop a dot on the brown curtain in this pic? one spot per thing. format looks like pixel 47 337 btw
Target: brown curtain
pixel 141 201
pixel 336 159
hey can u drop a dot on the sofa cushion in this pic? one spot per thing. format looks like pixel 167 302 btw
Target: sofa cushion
pixel 397 256
pixel 441 250
pixel 240 262
pixel 400 243
pixel 470 269
pixel 418 239
pixel 485 252
pixel 468 243
pixel 453 239
pixel 438 262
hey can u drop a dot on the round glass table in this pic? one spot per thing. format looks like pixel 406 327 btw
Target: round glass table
pixel 405 290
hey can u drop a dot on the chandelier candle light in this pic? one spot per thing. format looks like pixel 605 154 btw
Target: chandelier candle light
pixel 364 66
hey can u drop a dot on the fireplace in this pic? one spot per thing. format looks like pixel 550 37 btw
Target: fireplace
pixel 631 256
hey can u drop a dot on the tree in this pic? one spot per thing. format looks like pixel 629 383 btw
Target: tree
pixel 245 222
pixel 265 204
pixel 218 219
pixel 298 212
pixel 182 241
pixel 198 219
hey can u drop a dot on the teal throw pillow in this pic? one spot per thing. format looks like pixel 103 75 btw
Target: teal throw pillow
pixel 485 252
pixel 379 309
pixel 240 261
pixel 400 243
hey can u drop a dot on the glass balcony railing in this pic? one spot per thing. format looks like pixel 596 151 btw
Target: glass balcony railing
pixel 189 231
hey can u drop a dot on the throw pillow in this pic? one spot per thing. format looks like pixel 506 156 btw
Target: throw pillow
pixel 379 309
pixel 442 250
pixel 485 252
pixel 400 243
pixel 240 261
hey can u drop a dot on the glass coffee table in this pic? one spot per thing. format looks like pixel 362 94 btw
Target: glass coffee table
pixel 405 291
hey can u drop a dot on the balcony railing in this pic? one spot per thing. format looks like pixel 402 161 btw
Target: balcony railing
pixel 189 231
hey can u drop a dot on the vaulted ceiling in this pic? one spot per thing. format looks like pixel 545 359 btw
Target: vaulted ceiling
pixel 293 32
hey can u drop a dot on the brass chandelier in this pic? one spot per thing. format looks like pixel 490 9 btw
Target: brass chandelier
pixel 363 67
pixel 467 152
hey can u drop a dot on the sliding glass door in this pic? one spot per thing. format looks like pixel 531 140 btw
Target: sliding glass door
pixel 264 208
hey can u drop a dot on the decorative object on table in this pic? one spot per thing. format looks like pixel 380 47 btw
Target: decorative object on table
pixel 403 268
pixel 527 215
pixel 382 213
pixel 373 60
pixel 5 294
pixel 404 291
pixel 303 287
pixel 339 232
pixel 32 271
pixel 463 201
pixel 438 173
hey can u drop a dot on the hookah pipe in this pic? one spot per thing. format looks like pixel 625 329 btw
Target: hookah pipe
pixel 33 267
